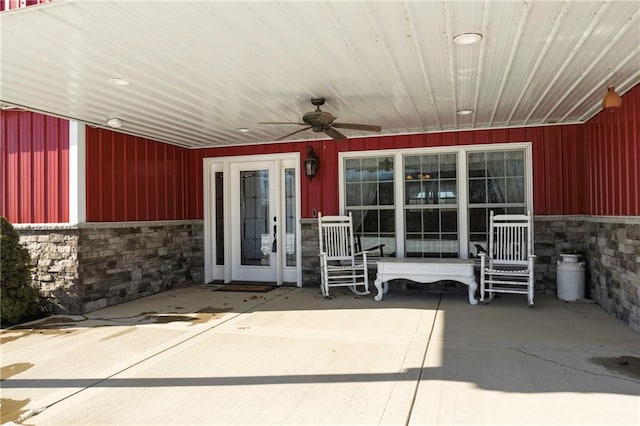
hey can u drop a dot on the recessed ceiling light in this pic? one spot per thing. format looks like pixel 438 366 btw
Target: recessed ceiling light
pixel 465 111
pixel 118 81
pixel 116 123
pixel 467 38
pixel 243 130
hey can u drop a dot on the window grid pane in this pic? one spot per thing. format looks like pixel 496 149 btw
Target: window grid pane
pixel 496 182
pixel 431 205
pixel 370 198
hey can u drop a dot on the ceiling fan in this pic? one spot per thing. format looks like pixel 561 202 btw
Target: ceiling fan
pixel 321 121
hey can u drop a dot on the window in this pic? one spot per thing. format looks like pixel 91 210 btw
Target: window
pixel 496 182
pixel 370 198
pixel 431 205
pixel 434 202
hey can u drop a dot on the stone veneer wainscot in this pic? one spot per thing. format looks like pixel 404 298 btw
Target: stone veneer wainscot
pixel 81 268
pixel 89 266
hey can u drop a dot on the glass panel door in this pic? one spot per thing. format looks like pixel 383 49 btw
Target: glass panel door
pixel 254 222
pixel 255 240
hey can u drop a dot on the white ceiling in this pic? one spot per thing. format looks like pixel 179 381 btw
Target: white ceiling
pixel 198 71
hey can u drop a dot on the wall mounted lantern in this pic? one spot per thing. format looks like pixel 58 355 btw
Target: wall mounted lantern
pixel 611 101
pixel 311 163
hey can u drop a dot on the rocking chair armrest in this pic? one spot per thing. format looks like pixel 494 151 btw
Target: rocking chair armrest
pixel 378 247
pixel 362 254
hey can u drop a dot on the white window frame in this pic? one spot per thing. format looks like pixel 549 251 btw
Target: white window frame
pixel 462 182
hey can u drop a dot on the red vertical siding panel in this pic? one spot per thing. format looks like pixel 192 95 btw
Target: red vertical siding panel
pixel 161 150
pixel 500 136
pixel 482 137
pixel 27 214
pixel 418 140
pixel 141 166
pixel 449 138
pixel 53 170
pixel 119 188
pixel 556 161
pixel 596 193
pixel 601 169
pixel 606 165
pixel 63 155
pixel 170 161
pixel 39 171
pixel 152 182
pixel 11 210
pixel 536 135
pixel 30 143
pixel 618 150
pixel 106 176
pixel 130 181
pixel 466 138
pixel 324 187
pixel 633 140
pixel 434 139
pixel 518 135
pixel 92 176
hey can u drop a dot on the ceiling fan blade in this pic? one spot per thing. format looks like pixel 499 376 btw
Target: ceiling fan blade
pixel 334 134
pixel 282 122
pixel 367 127
pixel 293 133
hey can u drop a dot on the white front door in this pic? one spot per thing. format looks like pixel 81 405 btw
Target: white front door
pixel 251 219
pixel 254 221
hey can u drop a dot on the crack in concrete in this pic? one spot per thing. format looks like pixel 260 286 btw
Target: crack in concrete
pixel 582 370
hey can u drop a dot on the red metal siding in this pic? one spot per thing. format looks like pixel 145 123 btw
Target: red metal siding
pixel 35 168
pixel 612 151
pixel 17 4
pixel 577 169
pixel 134 179
pixel 558 164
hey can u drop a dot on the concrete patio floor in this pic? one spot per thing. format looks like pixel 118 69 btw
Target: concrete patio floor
pixel 194 356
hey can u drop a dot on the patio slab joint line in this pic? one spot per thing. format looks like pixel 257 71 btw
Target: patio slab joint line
pixel 424 358
pixel 39 410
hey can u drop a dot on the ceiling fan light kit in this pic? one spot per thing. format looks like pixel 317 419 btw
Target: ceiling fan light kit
pixel 612 101
pixel 321 121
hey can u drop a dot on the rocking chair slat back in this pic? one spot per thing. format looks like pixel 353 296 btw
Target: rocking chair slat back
pixel 512 240
pixel 336 241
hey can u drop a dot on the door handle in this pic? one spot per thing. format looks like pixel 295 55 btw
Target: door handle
pixel 274 245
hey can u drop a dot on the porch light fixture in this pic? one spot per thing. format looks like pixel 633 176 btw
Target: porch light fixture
pixel 116 123
pixel 311 163
pixel 465 111
pixel 467 38
pixel 611 101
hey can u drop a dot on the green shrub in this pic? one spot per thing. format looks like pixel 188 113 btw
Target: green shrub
pixel 20 301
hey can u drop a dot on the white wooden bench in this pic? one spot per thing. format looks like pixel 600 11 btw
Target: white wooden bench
pixel 425 271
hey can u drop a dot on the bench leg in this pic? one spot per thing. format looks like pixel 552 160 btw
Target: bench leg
pixel 379 286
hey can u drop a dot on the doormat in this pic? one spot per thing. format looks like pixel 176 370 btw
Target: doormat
pixel 247 288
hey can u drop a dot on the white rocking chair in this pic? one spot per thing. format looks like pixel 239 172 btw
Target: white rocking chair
pixel 340 265
pixel 508 267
